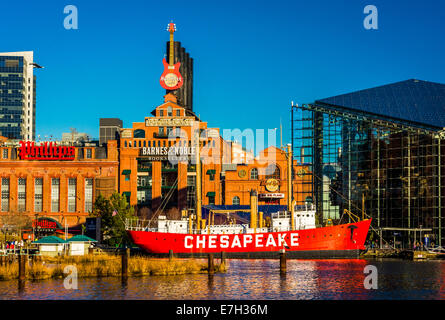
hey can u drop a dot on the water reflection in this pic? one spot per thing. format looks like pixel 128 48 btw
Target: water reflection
pixel 256 279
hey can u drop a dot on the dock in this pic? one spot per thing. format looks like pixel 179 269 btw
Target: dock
pixel 404 254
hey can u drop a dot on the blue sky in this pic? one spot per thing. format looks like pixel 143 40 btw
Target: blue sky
pixel 251 58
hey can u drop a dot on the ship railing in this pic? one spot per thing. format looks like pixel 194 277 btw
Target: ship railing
pixel 304 207
pixel 280 214
pixel 134 224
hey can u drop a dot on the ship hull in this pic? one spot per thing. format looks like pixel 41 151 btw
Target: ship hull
pixel 341 241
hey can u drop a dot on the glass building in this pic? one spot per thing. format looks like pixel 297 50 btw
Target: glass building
pixel 17 95
pixel 378 152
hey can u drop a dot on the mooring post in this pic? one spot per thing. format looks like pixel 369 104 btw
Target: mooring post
pixel 125 256
pixel 211 264
pixel 22 266
pixel 170 255
pixel 223 258
pixel 282 261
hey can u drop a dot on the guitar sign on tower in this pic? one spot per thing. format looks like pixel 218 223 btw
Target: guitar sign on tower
pixel 171 79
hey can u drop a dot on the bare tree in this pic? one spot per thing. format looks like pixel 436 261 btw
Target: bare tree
pixel 15 222
pixel 173 214
pixel 145 213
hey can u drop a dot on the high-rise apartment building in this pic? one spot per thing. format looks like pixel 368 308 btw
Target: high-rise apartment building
pixel 17 95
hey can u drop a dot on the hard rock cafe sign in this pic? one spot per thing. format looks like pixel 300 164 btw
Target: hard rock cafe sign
pixel 272 185
pixel 47 151
pixel 171 78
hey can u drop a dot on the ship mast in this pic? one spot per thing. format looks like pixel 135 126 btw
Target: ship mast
pixel 198 181
pixel 290 206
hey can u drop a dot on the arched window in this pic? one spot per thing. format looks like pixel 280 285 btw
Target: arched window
pixel 254 174
pixel 272 172
pixel 169 111
pixel 235 200
pixel 126 144
pixel 139 133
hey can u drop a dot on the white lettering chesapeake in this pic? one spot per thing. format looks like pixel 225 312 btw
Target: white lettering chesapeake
pixel 224 240
pixel 281 240
pixel 259 241
pixel 294 240
pixel 236 242
pixel 186 243
pixel 200 241
pixel 270 241
pixel 248 238
pixel 212 242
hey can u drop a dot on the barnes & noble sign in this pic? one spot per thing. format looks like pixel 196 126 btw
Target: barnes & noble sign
pixel 167 153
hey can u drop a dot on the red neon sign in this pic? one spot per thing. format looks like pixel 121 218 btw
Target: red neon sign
pixel 44 224
pixel 28 151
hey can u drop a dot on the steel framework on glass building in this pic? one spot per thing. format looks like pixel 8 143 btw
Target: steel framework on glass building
pixel 392 170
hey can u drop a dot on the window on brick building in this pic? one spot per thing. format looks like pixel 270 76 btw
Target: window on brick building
pixel 88 195
pixel 55 194
pixel 5 195
pixel 21 194
pixel 254 174
pixel 72 184
pixel 38 194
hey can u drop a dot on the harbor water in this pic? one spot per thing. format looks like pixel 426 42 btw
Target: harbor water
pixel 257 279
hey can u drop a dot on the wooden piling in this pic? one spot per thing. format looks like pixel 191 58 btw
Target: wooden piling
pixel 223 257
pixel 22 266
pixel 170 255
pixel 125 256
pixel 282 261
pixel 211 264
